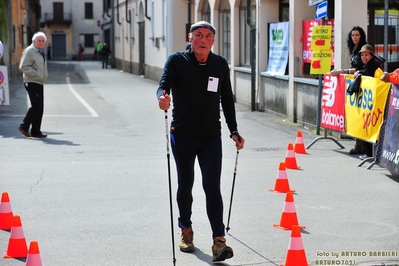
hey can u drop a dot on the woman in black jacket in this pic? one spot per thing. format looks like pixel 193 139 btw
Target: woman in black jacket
pixel 355 41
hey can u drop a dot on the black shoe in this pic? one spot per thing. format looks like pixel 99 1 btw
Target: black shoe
pixel 24 132
pixel 220 250
pixel 40 136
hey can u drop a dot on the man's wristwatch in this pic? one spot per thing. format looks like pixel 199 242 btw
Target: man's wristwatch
pixel 235 133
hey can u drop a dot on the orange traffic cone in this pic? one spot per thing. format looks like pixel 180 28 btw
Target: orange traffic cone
pixel 296 255
pixel 288 217
pixel 282 185
pixel 17 247
pixel 290 161
pixel 5 212
pixel 33 255
pixel 299 145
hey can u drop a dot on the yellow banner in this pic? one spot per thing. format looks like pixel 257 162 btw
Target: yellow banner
pixel 364 110
pixel 321 38
pixel 321 62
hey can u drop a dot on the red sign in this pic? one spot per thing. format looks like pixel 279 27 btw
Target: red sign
pixel 307 29
pixel 1 78
pixel 332 110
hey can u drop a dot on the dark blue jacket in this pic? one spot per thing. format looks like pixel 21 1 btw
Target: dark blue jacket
pixel 196 111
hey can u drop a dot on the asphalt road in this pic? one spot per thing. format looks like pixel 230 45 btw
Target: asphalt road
pixel 95 191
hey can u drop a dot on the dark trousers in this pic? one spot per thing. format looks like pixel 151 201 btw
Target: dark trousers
pixel 209 154
pixel 369 148
pixel 35 113
pixel 104 59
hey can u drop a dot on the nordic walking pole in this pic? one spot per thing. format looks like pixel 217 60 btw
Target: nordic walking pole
pixel 232 191
pixel 170 184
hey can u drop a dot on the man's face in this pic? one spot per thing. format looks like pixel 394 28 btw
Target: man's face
pixel 40 42
pixel 201 41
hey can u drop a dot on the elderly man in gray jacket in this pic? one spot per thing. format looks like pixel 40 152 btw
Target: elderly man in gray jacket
pixel 34 68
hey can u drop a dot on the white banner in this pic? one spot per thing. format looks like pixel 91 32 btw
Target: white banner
pixel 278 50
pixel 4 91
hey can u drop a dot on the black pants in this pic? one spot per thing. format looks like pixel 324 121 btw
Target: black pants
pixel 35 113
pixel 104 59
pixel 208 151
pixel 369 148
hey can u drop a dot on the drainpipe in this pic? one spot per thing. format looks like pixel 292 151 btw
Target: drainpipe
pixel 252 54
pixel 188 25
pixel 112 33
pixel 146 10
pixel 107 8
pixel 189 10
pixel 128 14
pixel 128 20
pixel 117 12
pixel 386 7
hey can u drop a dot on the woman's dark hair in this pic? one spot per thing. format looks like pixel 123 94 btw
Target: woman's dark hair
pixel 362 41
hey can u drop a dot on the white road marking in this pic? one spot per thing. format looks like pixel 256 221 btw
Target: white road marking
pixel 81 100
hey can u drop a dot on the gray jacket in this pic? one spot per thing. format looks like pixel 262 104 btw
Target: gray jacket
pixel 33 65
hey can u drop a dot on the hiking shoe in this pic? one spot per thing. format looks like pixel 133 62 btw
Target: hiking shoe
pixel 186 241
pixel 220 250
pixel 358 148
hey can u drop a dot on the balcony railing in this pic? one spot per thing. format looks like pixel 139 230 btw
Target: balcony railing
pixel 54 18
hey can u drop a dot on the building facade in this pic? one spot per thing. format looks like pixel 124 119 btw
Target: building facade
pixel 23 18
pixel 143 33
pixel 69 23
pixel 66 24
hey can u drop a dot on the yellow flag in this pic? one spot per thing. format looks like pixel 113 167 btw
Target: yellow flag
pixel 364 110
pixel 378 73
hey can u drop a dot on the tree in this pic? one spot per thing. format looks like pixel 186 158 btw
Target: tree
pixel 3 20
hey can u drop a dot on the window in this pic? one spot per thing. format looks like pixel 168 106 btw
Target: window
pixel 245 32
pixel 38 11
pixel 206 12
pixel 88 10
pixel 14 37
pixel 376 35
pixel 284 11
pixel 21 36
pixel 58 10
pixel 89 40
pixel 224 29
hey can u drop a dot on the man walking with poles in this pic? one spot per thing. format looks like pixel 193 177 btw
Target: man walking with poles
pixel 199 81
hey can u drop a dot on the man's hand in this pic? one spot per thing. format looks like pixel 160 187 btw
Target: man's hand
pixel 385 77
pixel 164 102
pixel 239 140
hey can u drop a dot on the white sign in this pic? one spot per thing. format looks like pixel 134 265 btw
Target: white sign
pixel 59 32
pixel 321 10
pixel 1 49
pixel 314 2
pixel 278 49
pixel 4 91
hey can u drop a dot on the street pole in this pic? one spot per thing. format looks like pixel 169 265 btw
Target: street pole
pixel 319 96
